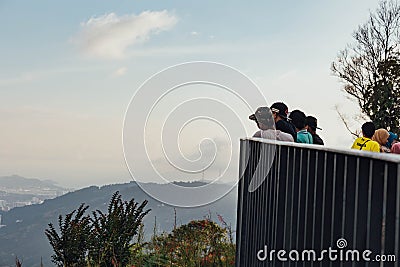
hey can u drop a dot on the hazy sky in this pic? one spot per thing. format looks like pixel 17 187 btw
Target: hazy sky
pixel 70 68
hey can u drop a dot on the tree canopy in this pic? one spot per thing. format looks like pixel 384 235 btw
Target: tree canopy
pixel 370 66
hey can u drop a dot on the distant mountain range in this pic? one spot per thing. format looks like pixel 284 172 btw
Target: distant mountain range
pixel 23 236
pixel 15 181
pixel 17 191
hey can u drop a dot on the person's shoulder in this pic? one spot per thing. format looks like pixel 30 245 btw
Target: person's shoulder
pixel 283 126
pixel 373 143
pixel 282 136
pixel 356 142
pixel 283 123
pixel 268 134
pixel 304 133
pixel 360 139
pixel 257 134
pixel 374 146
pixel 303 137
pixel 317 140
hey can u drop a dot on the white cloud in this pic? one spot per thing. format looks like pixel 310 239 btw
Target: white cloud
pixel 109 36
pixel 119 72
pixel 194 33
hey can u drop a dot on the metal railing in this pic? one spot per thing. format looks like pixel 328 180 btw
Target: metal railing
pixel 312 198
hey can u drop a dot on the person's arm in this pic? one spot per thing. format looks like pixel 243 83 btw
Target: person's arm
pixel 354 146
pixel 287 137
pixel 318 140
pixel 257 134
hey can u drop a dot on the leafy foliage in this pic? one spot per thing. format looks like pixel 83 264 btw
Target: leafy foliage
pixel 113 232
pixel 116 238
pixel 18 263
pixel 71 244
pixel 370 67
pixel 198 243
pixel 104 240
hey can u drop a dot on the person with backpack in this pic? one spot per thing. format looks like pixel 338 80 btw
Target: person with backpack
pixel 365 142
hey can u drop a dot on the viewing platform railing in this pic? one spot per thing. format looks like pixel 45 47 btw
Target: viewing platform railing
pixel 313 198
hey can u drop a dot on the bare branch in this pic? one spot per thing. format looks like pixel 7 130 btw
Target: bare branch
pixel 346 124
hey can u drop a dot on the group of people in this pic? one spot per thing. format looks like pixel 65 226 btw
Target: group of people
pixel 379 140
pixel 277 123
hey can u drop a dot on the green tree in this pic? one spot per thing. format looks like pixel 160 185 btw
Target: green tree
pixel 71 243
pixel 370 67
pixel 112 234
pixel 198 243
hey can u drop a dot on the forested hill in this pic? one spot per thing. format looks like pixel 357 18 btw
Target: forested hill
pixel 23 236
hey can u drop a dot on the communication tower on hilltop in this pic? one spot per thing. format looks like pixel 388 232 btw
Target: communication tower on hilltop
pixel 1 225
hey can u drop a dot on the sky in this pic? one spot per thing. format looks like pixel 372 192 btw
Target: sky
pixel 69 70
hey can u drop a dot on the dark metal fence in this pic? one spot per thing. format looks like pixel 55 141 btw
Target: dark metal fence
pixel 314 198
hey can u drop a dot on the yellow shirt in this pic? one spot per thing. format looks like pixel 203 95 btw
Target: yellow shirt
pixel 366 144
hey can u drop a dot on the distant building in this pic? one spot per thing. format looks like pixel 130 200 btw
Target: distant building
pixel 3 205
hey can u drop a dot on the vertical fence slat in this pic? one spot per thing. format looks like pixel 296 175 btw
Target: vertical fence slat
pixel 333 204
pixel 397 232
pixel 357 178
pixel 299 200
pixel 383 225
pixel 369 206
pixel 323 202
pixel 306 199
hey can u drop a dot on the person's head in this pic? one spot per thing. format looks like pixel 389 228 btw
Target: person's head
pixel 392 138
pixel 395 148
pixel 381 136
pixel 263 118
pixel 298 118
pixel 311 122
pixel 368 129
pixel 279 111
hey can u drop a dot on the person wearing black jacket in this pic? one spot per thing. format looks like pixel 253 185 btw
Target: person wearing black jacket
pixel 311 122
pixel 279 112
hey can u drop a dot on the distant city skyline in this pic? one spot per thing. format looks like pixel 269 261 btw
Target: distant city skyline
pixel 70 68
